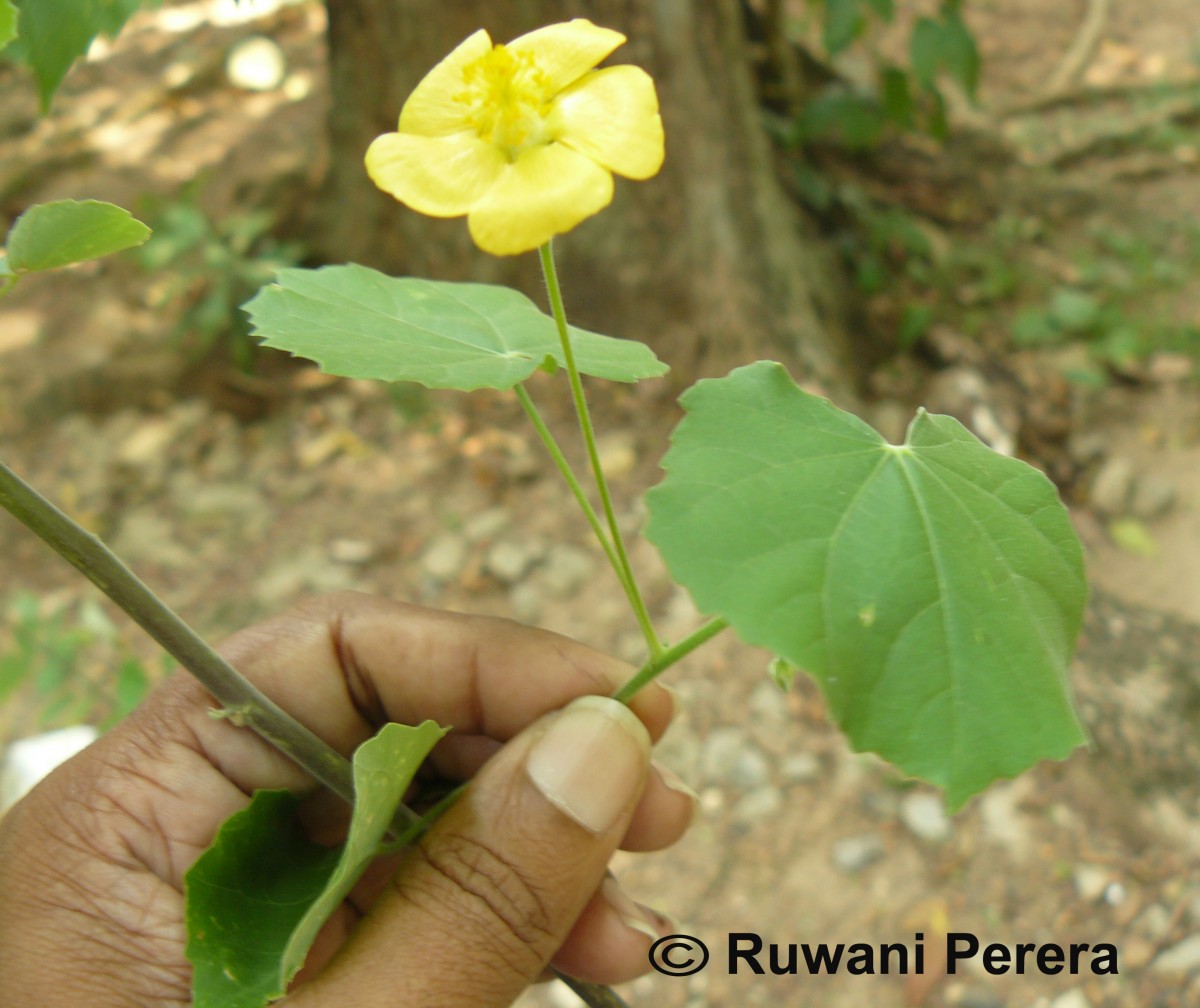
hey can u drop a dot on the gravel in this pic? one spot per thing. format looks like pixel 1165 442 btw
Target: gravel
pixel 444 558
pixel 925 816
pixel 1181 958
pixel 852 854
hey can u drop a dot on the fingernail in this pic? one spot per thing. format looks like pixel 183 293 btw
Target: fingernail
pixel 673 781
pixel 632 914
pixel 591 761
pixel 676 698
pixel 664 923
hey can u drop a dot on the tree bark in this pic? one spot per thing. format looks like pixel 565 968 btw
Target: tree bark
pixel 709 262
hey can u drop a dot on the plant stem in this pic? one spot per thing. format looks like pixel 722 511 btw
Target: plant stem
pixel 568 474
pixel 622 566
pixel 241 701
pixel 421 823
pixel 656 666
pixel 594 995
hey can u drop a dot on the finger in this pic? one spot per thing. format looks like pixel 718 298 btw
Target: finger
pixel 663 815
pixel 481 905
pixel 344 664
pixel 614 924
pixel 660 818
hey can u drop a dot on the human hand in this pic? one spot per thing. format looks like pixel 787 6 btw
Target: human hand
pixel 511 878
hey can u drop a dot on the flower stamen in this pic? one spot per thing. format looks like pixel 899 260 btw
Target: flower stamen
pixel 507 98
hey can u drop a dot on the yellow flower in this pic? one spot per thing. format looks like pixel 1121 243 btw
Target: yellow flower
pixel 522 138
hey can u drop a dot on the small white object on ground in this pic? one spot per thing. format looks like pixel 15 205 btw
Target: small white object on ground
pixel 256 63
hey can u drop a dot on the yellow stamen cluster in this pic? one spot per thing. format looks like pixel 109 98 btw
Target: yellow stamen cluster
pixel 507 99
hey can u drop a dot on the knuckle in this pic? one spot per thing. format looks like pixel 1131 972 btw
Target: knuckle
pixel 500 898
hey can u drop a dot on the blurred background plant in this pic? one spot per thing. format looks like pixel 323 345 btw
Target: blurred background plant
pixel 1107 301
pixel 64 662
pixel 912 97
pixel 1108 294
pixel 205 268
pixel 876 105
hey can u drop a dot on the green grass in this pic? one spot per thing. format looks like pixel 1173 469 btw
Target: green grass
pixel 65 663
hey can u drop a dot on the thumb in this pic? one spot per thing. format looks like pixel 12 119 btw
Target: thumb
pixel 481 904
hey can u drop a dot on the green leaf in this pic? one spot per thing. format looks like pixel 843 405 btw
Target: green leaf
pixel 855 121
pixel 944 45
pixel 925 51
pixel 934 589
pixel 245 896
pixel 915 322
pixel 258 896
pixel 843 22
pixel 384 766
pixel 8 22
pixel 1132 536
pixel 54 33
pixel 131 687
pixel 1034 327
pixel 1074 311
pixel 885 9
pixel 937 117
pixel 359 323
pixel 897 98
pixel 50 235
pixel 782 672
pixel 960 54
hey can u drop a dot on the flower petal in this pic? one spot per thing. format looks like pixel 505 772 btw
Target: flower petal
pixel 612 117
pixel 438 176
pixel 568 50
pixel 546 191
pixel 432 108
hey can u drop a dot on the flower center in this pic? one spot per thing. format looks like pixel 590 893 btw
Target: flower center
pixel 508 98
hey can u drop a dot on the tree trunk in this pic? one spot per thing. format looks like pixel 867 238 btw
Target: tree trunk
pixel 709 262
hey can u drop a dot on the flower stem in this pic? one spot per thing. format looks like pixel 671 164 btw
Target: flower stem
pixel 657 665
pixel 242 703
pixel 568 474
pixel 621 565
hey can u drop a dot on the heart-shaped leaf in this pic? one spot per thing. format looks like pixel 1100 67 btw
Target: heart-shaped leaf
pixel 50 235
pixel 359 323
pixel 934 589
pixel 258 896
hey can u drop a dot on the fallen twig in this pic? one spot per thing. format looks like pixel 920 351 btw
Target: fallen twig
pixel 1076 59
pixel 1095 96
pixel 1082 139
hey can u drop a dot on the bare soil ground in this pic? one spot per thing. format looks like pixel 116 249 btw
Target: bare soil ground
pixel 233 496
